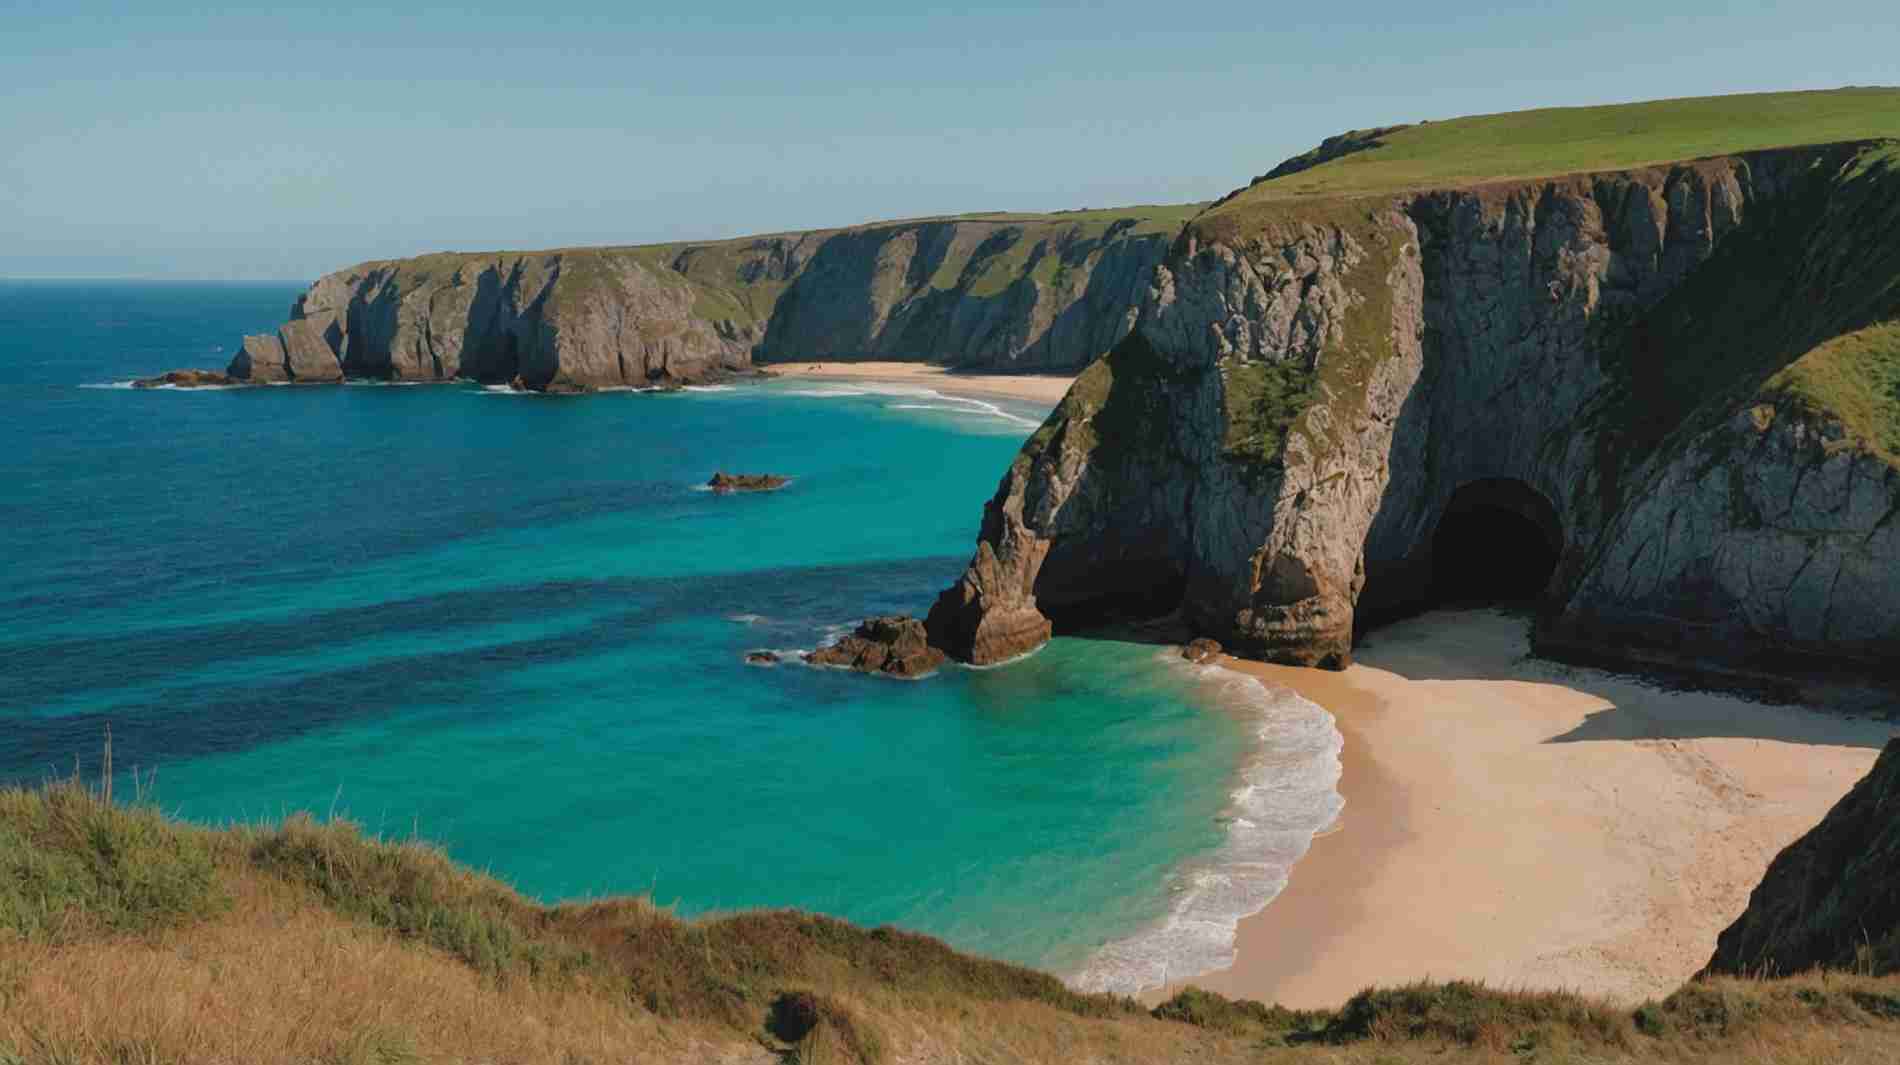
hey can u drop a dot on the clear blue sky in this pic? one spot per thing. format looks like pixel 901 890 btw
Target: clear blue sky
pixel 178 140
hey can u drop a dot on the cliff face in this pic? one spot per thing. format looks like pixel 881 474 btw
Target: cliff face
pixel 1036 292
pixel 1833 897
pixel 1631 361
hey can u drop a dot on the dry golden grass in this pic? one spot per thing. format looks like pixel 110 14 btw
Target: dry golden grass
pixel 311 943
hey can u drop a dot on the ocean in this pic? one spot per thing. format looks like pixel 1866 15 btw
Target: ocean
pixel 515 625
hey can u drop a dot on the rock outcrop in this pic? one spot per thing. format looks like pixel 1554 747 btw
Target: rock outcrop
pixel 1002 292
pixel 1832 898
pixel 723 482
pixel 895 646
pixel 187 379
pixel 1637 363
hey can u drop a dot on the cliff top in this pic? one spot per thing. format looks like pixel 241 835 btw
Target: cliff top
pixel 1523 145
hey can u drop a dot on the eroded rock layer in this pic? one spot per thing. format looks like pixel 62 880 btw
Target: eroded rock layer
pixel 1655 367
pixel 1038 292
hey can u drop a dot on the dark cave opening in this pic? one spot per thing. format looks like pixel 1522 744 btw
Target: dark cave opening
pixel 1140 592
pixel 1498 541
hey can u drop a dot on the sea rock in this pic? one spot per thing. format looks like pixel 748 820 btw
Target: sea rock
pixel 1312 385
pixel 723 482
pixel 761 658
pixel 1201 650
pixel 1832 898
pixel 895 645
pixel 186 379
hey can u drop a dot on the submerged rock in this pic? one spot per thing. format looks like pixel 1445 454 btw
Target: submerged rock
pixel 761 658
pixel 186 379
pixel 723 482
pixel 894 645
pixel 1201 650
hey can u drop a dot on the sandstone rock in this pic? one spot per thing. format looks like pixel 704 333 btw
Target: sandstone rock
pixel 1201 650
pixel 723 482
pixel 896 645
pixel 186 379
pixel 308 355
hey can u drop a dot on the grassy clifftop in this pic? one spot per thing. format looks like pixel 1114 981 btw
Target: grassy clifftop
pixel 127 937
pixel 1522 145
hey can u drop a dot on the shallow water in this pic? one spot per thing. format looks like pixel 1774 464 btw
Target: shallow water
pixel 514 625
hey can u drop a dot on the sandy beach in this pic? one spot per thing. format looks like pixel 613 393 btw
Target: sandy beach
pixel 1040 388
pixel 1531 825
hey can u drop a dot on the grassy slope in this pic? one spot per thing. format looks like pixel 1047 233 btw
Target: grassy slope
pixel 126 937
pixel 1568 140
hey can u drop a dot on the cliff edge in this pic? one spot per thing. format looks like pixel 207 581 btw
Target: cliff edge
pixel 999 292
pixel 1666 396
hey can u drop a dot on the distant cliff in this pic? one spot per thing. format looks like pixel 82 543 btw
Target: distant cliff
pixel 1684 378
pixel 1002 292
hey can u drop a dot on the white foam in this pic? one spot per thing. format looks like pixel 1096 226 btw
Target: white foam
pixel 746 619
pixel 1288 794
pixel 706 388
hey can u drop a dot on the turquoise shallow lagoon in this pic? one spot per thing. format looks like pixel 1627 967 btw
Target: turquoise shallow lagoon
pixel 514 625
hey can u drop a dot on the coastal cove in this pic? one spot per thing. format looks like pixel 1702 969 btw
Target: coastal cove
pixel 515 625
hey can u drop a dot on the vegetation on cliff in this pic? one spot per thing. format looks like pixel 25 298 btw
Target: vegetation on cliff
pixel 126 936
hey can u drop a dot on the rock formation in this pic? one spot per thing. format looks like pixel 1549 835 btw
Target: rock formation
pixel 187 379
pixel 896 646
pixel 723 482
pixel 1833 897
pixel 1643 370
pixel 1002 292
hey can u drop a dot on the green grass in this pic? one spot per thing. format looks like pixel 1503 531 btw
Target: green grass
pixel 1855 378
pixel 1552 141
pixel 72 865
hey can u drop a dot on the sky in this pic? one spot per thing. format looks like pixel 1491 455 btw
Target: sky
pixel 173 140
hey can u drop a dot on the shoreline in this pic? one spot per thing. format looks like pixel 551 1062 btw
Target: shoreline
pixel 1035 388
pixel 1528 824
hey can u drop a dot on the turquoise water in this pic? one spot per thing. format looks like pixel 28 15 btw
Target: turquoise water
pixel 513 625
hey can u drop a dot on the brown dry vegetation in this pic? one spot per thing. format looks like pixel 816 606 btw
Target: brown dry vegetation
pixel 129 938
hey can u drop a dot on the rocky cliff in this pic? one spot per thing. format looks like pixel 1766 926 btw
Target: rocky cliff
pixel 1833 897
pixel 1034 292
pixel 1678 379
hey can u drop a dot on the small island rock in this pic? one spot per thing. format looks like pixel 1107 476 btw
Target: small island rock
pixel 893 645
pixel 187 379
pixel 761 658
pixel 723 482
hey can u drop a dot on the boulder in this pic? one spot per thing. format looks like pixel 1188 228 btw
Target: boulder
pixel 260 359
pixel 761 658
pixel 1201 651
pixel 896 646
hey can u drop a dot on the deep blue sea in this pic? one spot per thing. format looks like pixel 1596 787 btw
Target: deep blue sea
pixel 514 625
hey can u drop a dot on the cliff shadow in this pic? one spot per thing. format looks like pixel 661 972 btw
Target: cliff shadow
pixel 1493 644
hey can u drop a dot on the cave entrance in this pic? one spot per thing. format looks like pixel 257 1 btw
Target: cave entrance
pixel 1498 541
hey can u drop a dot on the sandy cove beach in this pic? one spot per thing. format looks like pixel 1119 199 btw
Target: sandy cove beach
pixel 1040 388
pixel 1530 825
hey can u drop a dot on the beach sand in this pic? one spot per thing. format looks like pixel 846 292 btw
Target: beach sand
pixel 1531 825
pixel 1040 388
